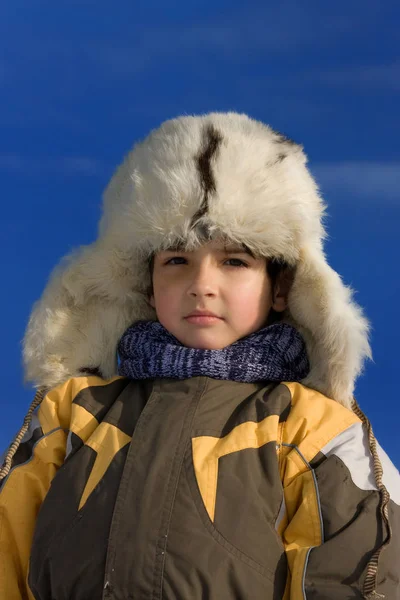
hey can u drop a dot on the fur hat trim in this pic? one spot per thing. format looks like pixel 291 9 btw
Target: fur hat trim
pixel 196 177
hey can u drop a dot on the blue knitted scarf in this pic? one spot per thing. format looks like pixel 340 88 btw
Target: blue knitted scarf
pixel 275 353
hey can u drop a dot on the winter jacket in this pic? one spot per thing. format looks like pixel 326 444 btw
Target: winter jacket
pixel 194 489
pixel 199 488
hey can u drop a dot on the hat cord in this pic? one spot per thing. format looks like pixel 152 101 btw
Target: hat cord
pixel 7 463
pixel 370 583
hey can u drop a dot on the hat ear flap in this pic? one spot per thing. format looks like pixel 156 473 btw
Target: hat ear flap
pixel 88 303
pixel 333 325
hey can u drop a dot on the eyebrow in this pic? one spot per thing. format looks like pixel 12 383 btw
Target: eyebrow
pixel 225 250
pixel 235 250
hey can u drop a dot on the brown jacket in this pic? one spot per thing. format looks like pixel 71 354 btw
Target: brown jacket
pixel 194 489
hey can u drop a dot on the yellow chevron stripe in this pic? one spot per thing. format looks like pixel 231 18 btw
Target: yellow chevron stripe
pixel 208 450
pixel 107 440
pixel 83 423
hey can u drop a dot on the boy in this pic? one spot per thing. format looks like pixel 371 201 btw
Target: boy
pixel 219 458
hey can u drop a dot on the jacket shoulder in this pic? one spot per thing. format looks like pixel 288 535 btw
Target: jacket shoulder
pixel 305 399
pixel 73 386
pixel 61 403
pixel 314 421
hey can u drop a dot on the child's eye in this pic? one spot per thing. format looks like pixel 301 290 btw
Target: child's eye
pixel 176 260
pixel 236 262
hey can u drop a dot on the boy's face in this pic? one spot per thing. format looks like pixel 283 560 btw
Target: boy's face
pixel 224 280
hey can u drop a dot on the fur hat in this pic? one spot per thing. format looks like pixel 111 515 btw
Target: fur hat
pixel 221 173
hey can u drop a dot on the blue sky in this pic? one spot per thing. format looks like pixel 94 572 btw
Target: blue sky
pixel 80 81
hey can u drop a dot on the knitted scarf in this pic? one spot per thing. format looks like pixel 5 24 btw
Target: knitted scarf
pixel 275 353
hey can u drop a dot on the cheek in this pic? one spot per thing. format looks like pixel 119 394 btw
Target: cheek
pixel 166 299
pixel 252 301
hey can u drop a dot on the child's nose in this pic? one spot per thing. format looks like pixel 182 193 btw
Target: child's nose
pixel 202 283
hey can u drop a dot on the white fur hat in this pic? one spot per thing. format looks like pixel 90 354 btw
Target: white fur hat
pixel 224 173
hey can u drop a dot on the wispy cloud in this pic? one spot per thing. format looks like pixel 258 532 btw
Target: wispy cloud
pixel 40 166
pixel 239 35
pixel 385 76
pixel 376 181
pixel 51 76
pixel 274 30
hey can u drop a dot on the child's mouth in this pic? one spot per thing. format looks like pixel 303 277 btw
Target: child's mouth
pixel 202 319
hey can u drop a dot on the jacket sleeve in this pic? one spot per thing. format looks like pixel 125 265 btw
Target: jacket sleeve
pixel 340 540
pixel 34 464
